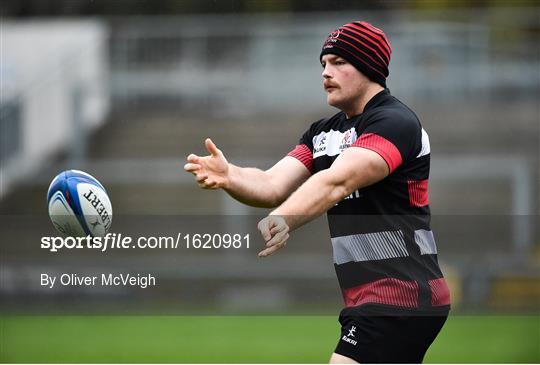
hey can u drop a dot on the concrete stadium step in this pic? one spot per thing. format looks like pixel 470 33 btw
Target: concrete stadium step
pixel 452 130
pixel 169 136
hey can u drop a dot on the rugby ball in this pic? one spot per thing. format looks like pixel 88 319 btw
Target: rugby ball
pixel 79 205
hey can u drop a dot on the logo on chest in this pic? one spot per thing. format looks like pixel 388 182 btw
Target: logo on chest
pixel 333 142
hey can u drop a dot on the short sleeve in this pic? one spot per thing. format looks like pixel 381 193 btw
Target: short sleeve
pixel 392 135
pixel 303 151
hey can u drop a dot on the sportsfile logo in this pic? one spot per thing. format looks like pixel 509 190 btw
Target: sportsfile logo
pixel 347 338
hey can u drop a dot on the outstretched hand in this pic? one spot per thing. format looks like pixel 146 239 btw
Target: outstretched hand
pixel 275 231
pixel 211 172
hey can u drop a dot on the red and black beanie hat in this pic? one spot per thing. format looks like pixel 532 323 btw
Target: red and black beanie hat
pixel 364 46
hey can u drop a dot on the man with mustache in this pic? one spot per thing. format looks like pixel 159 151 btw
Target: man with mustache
pixel 367 167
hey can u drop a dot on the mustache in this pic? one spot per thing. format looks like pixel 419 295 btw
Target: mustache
pixel 328 84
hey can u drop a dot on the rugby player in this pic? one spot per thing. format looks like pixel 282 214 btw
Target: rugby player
pixel 367 167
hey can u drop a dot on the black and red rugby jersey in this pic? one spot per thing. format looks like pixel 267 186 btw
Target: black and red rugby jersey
pixel 384 250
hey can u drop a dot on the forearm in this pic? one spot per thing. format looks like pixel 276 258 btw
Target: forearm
pixel 355 168
pixel 318 194
pixel 252 186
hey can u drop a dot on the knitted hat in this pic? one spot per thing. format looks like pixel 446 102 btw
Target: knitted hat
pixel 362 45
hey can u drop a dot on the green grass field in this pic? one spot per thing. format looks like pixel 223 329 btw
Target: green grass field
pixel 241 339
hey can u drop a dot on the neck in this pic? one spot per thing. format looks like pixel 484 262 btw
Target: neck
pixel 358 108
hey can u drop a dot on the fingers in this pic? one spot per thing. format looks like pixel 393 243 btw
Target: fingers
pixel 278 238
pixel 200 168
pixel 264 228
pixel 191 167
pixel 211 147
pixel 208 185
pixel 275 232
pixel 276 229
pixel 271 250
pixel 201 178
pixel 193 158
pixel 205 182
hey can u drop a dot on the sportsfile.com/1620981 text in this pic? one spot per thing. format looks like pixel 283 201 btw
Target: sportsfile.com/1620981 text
pixel 120 241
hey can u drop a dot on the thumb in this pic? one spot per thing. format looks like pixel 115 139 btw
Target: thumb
pixel 211 147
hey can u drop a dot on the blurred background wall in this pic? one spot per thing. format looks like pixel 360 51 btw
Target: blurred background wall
pixel 126 90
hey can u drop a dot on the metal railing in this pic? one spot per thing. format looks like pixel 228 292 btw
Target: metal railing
pixel 253 63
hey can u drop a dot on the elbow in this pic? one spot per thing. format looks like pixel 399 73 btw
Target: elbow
pixel 337 187
pixel 276 202
pixel 276 193
pixel 277 198
pixel 272 203
pixel 267 203
pixel 338 193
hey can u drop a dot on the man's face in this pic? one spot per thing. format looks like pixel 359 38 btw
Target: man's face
pixel 343 83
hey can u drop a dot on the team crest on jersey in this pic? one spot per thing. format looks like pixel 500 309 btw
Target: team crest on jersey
pixel 333 142
pixel 348 139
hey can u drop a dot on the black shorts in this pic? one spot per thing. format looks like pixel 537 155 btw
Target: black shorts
pixel 370 338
